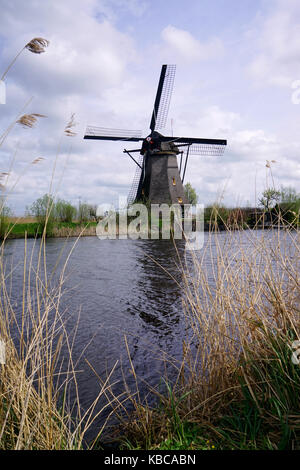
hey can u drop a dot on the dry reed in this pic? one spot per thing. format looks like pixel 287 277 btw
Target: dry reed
pixel 242 309
pixel 39 369
pixel 28 120
pixel 36 46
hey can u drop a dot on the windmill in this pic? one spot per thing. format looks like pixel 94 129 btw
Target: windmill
pixel 162 161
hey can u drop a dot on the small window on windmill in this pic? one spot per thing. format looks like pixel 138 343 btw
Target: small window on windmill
pixel 180 200
pixel 174 181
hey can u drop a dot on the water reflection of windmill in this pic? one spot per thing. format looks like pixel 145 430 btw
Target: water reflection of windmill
pixel 158 178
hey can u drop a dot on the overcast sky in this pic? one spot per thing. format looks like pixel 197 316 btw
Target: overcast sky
pixel 237 62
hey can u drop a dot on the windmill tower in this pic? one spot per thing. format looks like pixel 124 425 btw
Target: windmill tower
pixel 159 175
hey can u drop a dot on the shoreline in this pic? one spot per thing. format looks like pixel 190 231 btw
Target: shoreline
pixel 253 219
pixel 81 231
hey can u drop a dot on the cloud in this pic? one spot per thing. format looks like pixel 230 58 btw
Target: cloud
pixel 277 61
pixel 97 65
pixel 240 175
pixel 87 57
pixel 183 44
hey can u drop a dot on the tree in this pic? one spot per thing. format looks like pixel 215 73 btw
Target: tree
pixel 288 195
pixel 43 209
pixel 270 198
pixel 290 205
pixel 64 211
pixel 190 193
pixel 93 212
pixel 86 212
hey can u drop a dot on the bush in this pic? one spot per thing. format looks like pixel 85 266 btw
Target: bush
pixel 64 211
pixel 44 211
pixel 216 215
pixel 289 205
pixel 190 193
pixel 5 213
pixel 86 213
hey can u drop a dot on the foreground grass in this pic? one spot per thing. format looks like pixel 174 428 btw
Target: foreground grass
pixel 237 386
pixel 261 415
pixel 39 369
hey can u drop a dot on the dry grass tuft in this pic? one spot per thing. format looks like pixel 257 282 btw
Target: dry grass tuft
pixel 241 298
pixel 82 231
pixel 39 370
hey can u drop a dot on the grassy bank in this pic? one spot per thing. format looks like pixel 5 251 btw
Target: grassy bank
pixel 32 229
pixel 214 219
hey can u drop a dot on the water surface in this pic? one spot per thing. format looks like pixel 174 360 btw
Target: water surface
pixel 113 289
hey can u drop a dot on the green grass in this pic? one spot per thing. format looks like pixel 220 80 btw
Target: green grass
pixel 262 415
pixel 267 415
pixel 33 229
pixel 190 437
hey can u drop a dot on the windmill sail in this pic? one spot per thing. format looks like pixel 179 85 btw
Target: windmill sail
pixel 103 133
pixel 136 180
pixel 163 97
pixel 207 150
pixel 199 146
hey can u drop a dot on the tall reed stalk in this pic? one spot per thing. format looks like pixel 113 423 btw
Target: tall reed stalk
pixel 237 385
pixel 38 369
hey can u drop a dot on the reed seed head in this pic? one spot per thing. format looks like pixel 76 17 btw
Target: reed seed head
pixel 28 120
pixel 68 129
pixel 37 45
pixel 37 160
pixel 268 164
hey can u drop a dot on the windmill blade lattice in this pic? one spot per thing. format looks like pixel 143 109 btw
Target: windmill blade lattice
pixel 163 97
pixel 207 150
pixel 135 182
pixel 103 133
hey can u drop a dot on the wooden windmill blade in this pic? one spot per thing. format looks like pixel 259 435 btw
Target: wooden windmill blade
pixel 163 97
pixel 198 146
pixel 193 140
pixel 103 133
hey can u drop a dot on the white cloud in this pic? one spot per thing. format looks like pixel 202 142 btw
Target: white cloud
pixel 277 61
pixel 99 68
pixel 87 57
pixel 184 44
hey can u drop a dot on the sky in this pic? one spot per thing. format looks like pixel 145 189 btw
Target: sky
pixel 237 78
